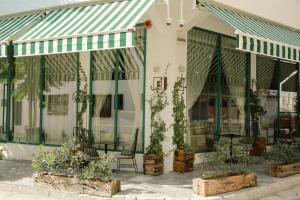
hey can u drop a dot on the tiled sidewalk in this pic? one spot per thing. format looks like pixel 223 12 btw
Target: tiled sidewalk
pixel 16 176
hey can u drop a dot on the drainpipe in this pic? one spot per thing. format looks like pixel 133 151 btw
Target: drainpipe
pixel 168 19
pixel 181 20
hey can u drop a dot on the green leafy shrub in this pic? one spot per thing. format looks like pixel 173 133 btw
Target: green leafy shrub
pixel 158 103
pixel 180 121
pixel 69 160
pixel 219 162
pixel 99 169
pixel 283 154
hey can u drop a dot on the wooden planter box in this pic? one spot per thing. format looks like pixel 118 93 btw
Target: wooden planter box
pixel 76 185
pixel 153 164
pixel 183 161
pixel 208 187
pixel 285 170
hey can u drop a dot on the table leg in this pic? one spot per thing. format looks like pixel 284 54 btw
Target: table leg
pixel 106 148
pixel 231 149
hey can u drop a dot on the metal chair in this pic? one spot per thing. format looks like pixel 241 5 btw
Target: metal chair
pixel 129 155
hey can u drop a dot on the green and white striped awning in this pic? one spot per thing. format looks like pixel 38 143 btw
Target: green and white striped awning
pixel 260 36
pixel 87 28
pixel 11 26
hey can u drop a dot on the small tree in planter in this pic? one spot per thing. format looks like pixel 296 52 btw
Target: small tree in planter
pixel 223 174
pixel 284 160
pixel 153 159
pixel 183 156
pixel 256 111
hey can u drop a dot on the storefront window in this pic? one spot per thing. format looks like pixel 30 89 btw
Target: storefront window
pixel 201 88
pixel 60 108
pixel 26 99
pixel 118 83
pixel 233 87
pixel 131 83
pixel 267 82
pixel 104 63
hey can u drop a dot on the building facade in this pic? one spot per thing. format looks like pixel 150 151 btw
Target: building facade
pixel 220 65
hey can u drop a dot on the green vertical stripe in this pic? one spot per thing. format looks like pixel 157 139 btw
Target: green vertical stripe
pixel 100 42
pixel 16 46
pixel 133 39
pixel 122 39
pixel 111 40
pixel 79 44
pixel 69 44
pixel 237 40
pixel 59 45
pixel 32 48
pixel 272 49
pixel 90 42
pixel 244 42
pixel 283 51
pixel 42 47
pixel 298 55
pixel 265 48
pixel 277 50
pixel 23 48
pixel 251 44
pixel 295 54
pixel 289 53
pixel 258 46
pixel 50 46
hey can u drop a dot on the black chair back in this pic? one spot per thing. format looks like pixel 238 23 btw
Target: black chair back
pixel 133 147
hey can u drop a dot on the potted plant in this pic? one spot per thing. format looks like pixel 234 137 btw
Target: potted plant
pixel 184 156
pixel 256 111
pixel 153 159
pixel 222 174
pixel 69 169
pixel 284 160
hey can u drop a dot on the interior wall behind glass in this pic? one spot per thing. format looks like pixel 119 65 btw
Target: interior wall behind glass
pixel 202 62
pixel 267 81
pixel 104 63
pixel 26 100
pixel 234 64
pixel 130 90
pixel 59 116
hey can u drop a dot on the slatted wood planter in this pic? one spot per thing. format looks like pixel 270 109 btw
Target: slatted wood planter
pixel 208 187
pixel 153 164
pixel 69 184
pixel 285 170
pixel 183 161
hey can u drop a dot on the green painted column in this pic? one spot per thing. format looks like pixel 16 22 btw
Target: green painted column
pixel 91 100
pixel 278 72
pixel 116 99
pixel 42 99
pixel 11 64
pixel 247 95
pixel 218 106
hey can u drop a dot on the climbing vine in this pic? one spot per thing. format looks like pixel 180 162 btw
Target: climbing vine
pixel 180 120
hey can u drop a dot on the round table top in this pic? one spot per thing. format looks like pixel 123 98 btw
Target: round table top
pixel 231 135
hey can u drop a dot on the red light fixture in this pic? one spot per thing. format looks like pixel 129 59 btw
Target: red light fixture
pixel 148 24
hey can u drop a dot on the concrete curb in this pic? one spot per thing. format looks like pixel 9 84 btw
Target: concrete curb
pixel 249 194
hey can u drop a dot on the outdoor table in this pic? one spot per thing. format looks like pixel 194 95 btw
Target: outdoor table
pixel 106 143
pixel 231 136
